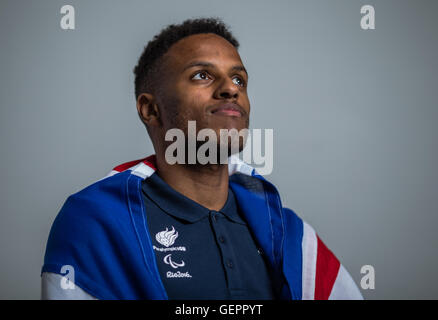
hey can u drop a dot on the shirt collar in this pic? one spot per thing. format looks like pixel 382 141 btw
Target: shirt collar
pixel 181 207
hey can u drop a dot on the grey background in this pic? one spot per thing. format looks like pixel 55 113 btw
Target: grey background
pixel 354 115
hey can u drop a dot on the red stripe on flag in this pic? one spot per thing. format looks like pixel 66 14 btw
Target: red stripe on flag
pixel 149 161
pixel 327 267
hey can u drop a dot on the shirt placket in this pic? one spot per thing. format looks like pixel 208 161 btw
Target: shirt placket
pixel 229 259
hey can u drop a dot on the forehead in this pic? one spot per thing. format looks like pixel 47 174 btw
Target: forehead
pixel 207 46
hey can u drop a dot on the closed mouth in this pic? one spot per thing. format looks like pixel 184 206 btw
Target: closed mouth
pixel 228 109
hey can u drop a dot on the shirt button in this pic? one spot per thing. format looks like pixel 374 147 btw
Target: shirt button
pixel 260 252
pixel 230 264
pixel 214 215
pixel 221 239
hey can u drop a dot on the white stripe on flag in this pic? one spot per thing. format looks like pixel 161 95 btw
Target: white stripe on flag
pixel 344 287
pixel 310 248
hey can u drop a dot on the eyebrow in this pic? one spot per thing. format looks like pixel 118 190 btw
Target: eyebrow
pixel 208 64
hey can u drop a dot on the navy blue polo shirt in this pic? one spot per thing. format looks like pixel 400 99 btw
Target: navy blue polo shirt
pixel 202 253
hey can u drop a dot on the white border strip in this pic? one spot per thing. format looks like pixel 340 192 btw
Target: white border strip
pixel 344 287
pixel 237 165
pixel 142 170
pixel 310 248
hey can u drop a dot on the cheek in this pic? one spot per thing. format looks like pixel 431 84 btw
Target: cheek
pixel 247 104
pixel 181 108
pixel 194 103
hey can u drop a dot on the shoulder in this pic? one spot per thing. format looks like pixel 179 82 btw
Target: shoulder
pixel 95 200
pixel 94 234
pixel 90 233
pixel 101 210
pixel 89 220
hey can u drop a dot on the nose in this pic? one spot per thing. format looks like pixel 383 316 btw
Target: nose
pixel 227 90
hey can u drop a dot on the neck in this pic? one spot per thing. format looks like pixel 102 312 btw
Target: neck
pixel 204 184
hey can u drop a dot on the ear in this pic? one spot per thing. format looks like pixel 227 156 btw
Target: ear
pixel 148 110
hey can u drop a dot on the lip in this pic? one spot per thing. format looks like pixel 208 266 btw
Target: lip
pixel 227 109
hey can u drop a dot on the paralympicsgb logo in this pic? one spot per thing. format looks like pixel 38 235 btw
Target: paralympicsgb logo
pixel 167 238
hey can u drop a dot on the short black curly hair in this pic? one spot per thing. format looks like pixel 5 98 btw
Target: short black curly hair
pixel 148 64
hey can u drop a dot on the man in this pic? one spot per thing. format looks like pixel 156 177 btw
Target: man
pixel 158 230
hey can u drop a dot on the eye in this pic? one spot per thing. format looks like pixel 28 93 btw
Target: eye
pixel 239 81
pixel 200 75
